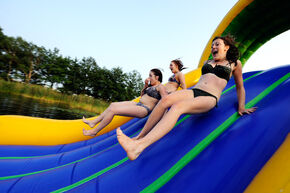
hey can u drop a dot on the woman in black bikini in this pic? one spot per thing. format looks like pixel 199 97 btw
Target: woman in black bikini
pixel 203 97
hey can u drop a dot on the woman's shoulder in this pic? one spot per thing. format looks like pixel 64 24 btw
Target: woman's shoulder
pixel 160 86
pixel 237 64
pixel 178 74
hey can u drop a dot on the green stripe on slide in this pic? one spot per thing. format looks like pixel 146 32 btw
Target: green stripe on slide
pixel 162 180
pixel 90 177
pixel 31 173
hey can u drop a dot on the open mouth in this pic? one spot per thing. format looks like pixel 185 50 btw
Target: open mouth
pixel 214 52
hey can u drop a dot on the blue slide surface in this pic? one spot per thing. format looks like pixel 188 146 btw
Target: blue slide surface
pixel 227 164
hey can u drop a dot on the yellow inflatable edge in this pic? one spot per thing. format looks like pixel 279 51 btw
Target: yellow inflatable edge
pixel 275 175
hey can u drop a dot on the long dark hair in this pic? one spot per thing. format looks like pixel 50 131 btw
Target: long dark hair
pixel 158 73
pixel 233 53
pixel 179 64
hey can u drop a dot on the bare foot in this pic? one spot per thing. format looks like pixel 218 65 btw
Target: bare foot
pixel 91 132
pixel 130 146
pixel 90 123
pixel 136 138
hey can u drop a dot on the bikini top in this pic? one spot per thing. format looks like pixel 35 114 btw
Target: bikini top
pixel 173 79
pixel 152 92
pixel 220 71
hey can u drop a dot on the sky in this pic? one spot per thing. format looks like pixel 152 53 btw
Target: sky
pixel 131 34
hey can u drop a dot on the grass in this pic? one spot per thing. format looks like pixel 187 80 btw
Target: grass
pixel 78 103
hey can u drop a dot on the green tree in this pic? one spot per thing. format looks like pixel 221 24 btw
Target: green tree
pixel 30 59
pixel 8 56
pixel 134 84
pixel 53 68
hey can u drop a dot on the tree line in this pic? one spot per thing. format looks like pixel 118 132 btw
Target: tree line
pixel 31 64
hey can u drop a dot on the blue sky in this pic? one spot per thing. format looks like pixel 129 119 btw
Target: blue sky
pixel 130 34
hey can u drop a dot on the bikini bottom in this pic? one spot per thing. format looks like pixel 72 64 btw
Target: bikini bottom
pixel 142 105
pixel 198 92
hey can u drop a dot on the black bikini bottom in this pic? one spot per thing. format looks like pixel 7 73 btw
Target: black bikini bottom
pixel 197 92
pixel 142 105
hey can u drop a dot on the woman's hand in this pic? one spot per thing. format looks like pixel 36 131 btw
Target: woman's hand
pixel 246 111
pixel 145 86
pixel 147 80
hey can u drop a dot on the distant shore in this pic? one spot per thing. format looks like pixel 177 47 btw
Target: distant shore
pixel 77 103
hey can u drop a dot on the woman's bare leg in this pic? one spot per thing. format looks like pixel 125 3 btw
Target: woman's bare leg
pixel 127 108
pixel 193 106
pixel 93 123
pixel 161 108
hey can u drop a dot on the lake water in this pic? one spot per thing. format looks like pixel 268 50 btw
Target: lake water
pixel 18 105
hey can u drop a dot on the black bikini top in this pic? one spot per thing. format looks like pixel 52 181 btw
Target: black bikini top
pixel 152 92
pixel 173 79
pixel 220 71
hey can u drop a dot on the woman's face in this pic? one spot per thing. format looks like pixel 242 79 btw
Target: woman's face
pixel 173 67
pixel 153 78
pixel 219 49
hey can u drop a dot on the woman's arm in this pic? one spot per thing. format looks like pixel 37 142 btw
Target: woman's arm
pixel 181 79
pixel 237 73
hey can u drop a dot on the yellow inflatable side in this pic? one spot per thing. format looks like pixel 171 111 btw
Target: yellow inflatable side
pixel 22 130
pixel 275 175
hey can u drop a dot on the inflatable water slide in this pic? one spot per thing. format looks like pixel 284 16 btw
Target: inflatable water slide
pixel 214 152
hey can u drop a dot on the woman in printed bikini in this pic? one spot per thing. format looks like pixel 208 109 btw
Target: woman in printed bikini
pixel 150 95
pixel 202 98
